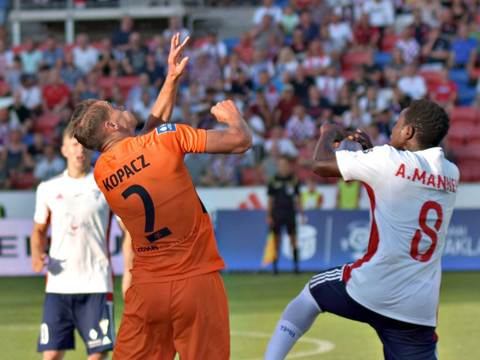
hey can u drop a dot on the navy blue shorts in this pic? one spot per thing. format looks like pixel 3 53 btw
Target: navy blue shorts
pixel 90 314
pixel 401 340
pixel 284 218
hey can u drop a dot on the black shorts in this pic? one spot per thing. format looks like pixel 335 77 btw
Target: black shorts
pixel 284 218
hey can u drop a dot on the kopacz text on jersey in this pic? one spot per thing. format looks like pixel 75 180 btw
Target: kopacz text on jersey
pixel 127 170
pixel 434 180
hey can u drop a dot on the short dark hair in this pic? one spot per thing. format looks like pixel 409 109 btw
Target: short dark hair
pixel 86 124
pixel 429 120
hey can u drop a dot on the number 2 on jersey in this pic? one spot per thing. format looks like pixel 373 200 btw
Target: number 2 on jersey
pixel 432 233
pixel 149 212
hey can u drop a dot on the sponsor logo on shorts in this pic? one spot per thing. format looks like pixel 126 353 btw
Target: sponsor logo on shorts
pixel 104 325
pixel 93 334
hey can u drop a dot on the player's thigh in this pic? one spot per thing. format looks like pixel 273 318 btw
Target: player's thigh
pixel 93 315
pixel 200 318
pixel 329 291
pixel 290 223
pixel 57 328
pixel 146 330
pixel 404 341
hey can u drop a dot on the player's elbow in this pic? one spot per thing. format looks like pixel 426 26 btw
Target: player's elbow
pixel 324 168
pixel 244 142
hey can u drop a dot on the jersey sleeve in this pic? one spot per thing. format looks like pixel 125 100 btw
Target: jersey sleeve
pixel 189 139
pixel 367 166
pixel 42 211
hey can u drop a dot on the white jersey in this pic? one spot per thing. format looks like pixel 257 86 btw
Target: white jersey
pixel 80 219
pixel 412 195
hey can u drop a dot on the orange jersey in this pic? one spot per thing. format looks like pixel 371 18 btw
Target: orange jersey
pixel 147 184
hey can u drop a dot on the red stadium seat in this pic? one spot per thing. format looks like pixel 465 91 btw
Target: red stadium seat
pixel 126 83
pixel 473 135
pixel 475 73
pixel 388 42
pixel 17 49
pixel 252 176
pixel 464 114
pixel 23 181
pixel 106 83
pixel 46 123
pixel 347 74
pixel 430 77
pixel 351 59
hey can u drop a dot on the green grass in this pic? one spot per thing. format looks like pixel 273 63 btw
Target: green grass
pixel 256 303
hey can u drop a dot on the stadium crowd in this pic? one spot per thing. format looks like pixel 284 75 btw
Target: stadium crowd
pixel 302 63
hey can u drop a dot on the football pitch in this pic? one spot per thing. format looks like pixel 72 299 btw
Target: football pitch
pixel 256 303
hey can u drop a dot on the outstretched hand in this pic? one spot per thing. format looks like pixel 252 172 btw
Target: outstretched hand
pixel 336 131
pixel 176 61
pixel 362 138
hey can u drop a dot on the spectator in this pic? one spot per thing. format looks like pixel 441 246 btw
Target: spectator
pixel 69 73
pixel 14 158
pixel 269 8
pixel 222 170
pixel 340 33
pixel 412 84
pixel 373 71
pixel 262 32
pixel 435 52
pixel 121 35
pixel 31 57
pixel 321 11
pixel 348 194
pixel 359 83
pixel 14 74
pixel 175 26
pixel 430 11
pixel 355 117
pixel 315 104
pixel 245 47
pixel 286 62
pixel 316 61
pixel 259 64
pixel 444 91
pixel 135 56
pixel 463 51
pixel 269 90
pixel 6 59
pixel 460 12
pixel 306 24
pixel 257 125
pixel 30 93
pixel 159 48
pixel 284 109
pixel 300 127
pixel 204 71
pixel 364 35
pixel 23 116
pixel 289 20
pixel 5 129
pixel 155 71
pixel 232 68
pixel 299 44
pixel 342 102
pixel 330 83
pixel 311 197
pixel 51 165
pixel 52 55
pixel 141 109
pixel 108 59
pixel 419 28
pixel 377 137
pixel 448 27
pixel 381 14
pixel 371 102
pixel 85 56
pixel 35 150
pixel 58 131
pixel 216 49
pixel 144 85
pixel 55 95
pixel 409 46
pixel 92 89
pixel 242 86
pixel 277 146
pixel 301 83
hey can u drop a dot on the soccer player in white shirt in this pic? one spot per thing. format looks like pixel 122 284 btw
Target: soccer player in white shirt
pixel 395 286
pixel 80 280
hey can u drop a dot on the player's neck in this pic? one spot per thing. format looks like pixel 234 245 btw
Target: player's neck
pixel 78 172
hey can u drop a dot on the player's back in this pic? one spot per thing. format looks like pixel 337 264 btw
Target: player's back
pixel 412 196
pixel 147 184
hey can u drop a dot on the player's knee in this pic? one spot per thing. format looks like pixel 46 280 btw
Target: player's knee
pixel 53 355
pixel 99 356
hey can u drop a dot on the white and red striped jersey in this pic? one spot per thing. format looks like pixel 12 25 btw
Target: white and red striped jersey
pixel 412 195
pixel 80 219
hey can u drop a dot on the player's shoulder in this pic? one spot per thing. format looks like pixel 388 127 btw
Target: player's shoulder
pixel 53 182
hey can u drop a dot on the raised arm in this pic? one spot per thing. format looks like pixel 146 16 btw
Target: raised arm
pixel 324 161
pixel 38 246
pixel 163 107
pixel 237 138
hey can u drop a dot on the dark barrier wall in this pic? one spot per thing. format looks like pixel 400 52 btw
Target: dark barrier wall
pixel 331 238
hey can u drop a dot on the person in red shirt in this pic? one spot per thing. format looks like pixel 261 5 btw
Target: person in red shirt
pixel 444 91
pixel 177 301
pixel 55 95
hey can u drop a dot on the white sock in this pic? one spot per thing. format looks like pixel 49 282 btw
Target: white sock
pixel 285 336
pixel 296 319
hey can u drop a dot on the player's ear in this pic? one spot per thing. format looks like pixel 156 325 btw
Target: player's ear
pixel 110 125
pixel 409 132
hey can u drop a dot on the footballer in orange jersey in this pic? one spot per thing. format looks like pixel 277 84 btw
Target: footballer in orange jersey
pixel 177 301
